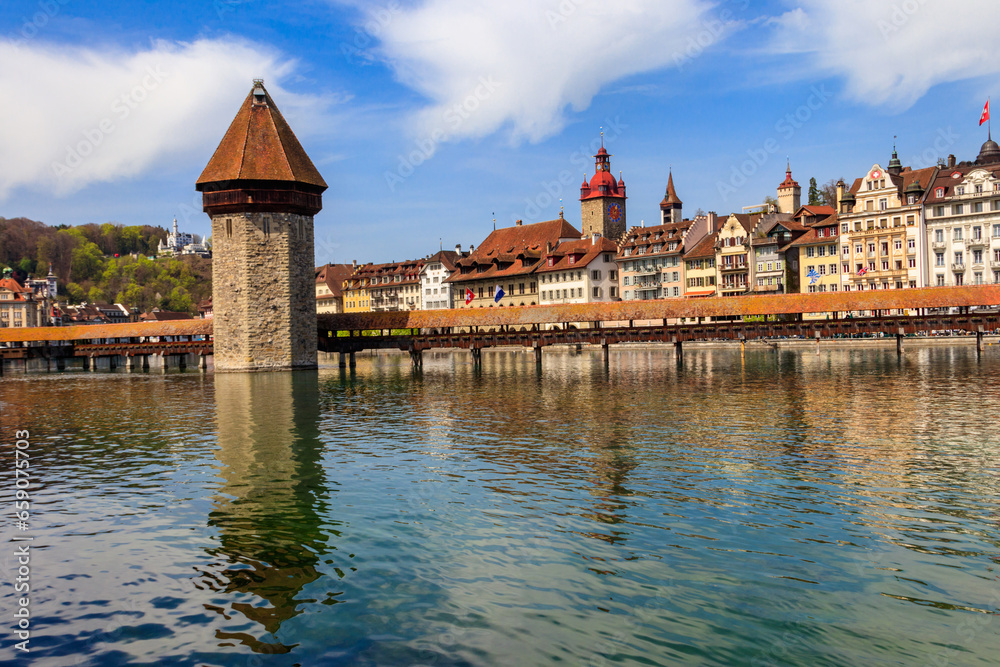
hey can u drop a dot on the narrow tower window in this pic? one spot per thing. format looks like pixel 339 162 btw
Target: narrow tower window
pixel 229 227
pixel 267 227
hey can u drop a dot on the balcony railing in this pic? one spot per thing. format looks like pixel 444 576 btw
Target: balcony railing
pixel 958 268
pixel 734 267
pixel 939 245
pixel 977 243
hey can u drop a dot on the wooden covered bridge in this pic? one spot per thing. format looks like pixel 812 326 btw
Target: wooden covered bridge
pixel 186 343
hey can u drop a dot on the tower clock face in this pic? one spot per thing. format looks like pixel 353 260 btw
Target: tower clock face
pixel 615 213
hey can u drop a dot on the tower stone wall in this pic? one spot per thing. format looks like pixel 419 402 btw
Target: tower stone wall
pixel 263 291
pixel 596 218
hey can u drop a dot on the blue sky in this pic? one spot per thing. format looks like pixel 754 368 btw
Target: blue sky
pixel 429 117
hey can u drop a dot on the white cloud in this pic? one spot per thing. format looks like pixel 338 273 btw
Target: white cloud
pixel 78 116
pixel 521 64
pixel 892 53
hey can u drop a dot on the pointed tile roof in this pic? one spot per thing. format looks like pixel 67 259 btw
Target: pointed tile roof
pixel 260 146
pixel 671 196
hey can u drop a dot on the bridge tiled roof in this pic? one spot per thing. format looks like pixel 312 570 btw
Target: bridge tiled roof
pixel 84 332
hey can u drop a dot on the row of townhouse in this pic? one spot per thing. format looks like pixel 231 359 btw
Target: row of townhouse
pixel 893 228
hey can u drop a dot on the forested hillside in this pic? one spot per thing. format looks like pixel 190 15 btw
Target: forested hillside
pixel 83 258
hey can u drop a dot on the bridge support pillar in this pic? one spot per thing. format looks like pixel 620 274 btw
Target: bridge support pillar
pixel 477 356
pixel 417 359
pixel 818 337
pixel 980 334
pixel 129 363
pixel 538 353
pixel 202 361
pixel 678 349
pixel 606 349
pixel 352 361
pixel 900 333
pixel 342 361
pixel 92 366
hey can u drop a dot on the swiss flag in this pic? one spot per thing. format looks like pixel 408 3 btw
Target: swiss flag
pixel 986 114
pixel 469 296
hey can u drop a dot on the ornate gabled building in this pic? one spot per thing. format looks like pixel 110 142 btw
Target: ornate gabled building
pixel 880 221
pixel 602 200
pixel 261 191
pixel 962 214
pixel 19 306
pixel 733 255
pixel 508 259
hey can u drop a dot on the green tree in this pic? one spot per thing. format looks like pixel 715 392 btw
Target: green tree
pixel 74 293
pixel 95 295
pixel 815 197
pixel 87 262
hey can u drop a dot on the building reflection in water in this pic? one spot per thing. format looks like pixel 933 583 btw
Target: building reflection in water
pixel 268 513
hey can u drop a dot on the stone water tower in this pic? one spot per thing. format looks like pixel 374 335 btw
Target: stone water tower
pixel 261 191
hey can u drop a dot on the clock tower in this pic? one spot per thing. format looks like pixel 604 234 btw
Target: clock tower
pixel 602 200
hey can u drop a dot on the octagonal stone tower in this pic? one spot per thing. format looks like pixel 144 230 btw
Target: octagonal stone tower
pixel 261 191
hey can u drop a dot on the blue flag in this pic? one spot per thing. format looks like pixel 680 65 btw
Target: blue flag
pixel 499 294
pixel 812 275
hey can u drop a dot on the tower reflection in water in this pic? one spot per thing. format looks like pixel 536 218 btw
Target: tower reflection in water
pixel 268 514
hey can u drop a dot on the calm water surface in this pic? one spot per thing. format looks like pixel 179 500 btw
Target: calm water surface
pixel 789 508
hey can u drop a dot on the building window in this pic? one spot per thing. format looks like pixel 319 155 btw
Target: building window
pixel 938 210
pixel 940 193
pixel 229 227
pixel 957 209
pixel 912 262
pixel 597 292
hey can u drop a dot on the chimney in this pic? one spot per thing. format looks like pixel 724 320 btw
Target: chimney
pixel 354 264
pixel 548 247
pixel 594 237
pixel 519 223
pixel 458 248
pixel 951 160
pixel 840 192
pixel 713 221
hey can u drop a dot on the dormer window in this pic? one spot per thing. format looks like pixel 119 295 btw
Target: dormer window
pixel 572 259
pixel 939 192
pixel 552 261
pixel 960 190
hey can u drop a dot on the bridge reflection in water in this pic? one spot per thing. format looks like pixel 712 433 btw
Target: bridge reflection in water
pixel 270 513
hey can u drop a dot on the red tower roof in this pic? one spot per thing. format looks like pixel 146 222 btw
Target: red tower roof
pixel 260 146
pixel 788 182
pixel 670 198
pixel 602 184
